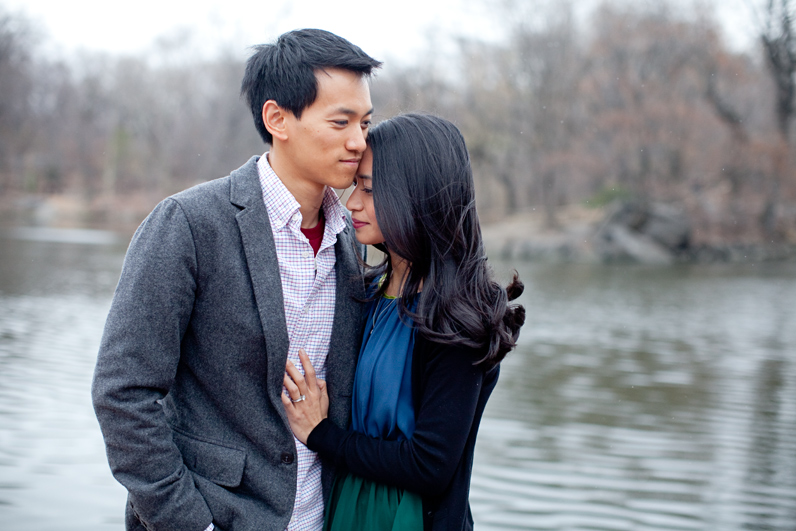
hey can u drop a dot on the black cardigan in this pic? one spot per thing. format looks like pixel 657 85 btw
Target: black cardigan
pixel 450 394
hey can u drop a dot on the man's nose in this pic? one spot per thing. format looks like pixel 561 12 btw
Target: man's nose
pixel 357 140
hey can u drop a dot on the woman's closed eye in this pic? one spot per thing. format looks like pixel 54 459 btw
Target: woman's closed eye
pixel 364 188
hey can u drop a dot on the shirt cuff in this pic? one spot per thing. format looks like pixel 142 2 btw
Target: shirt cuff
pixel 210 527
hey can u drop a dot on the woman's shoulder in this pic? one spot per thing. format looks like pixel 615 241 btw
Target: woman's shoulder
pixel 429 350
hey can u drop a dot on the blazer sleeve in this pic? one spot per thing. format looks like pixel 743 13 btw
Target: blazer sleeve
pixel 425 463
pixel 136 366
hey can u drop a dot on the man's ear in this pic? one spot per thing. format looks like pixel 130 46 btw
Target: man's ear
pixel 275 120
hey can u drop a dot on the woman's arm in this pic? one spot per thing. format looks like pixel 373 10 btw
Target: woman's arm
pixel 425 463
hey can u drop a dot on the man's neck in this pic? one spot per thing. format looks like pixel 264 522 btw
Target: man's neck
pixel 309 195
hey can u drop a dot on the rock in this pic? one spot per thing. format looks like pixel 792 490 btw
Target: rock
pixel 668 226
pixel 665 224
pixel 647 233
pixel 617 243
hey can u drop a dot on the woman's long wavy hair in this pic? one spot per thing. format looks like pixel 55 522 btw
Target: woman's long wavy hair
pixel 424 200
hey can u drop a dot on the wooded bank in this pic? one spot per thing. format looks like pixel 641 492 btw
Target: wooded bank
pixel 647 105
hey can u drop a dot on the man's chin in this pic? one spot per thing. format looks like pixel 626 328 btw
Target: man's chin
pixel 340 184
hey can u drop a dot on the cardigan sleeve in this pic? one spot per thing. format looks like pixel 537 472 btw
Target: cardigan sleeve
pixel 425 463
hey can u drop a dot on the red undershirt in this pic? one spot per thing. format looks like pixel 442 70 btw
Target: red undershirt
pixel 315 235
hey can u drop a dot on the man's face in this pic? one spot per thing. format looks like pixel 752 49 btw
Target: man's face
pixel 327 143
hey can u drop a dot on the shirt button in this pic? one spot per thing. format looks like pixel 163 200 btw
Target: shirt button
pixel 287 458
pixel 306 254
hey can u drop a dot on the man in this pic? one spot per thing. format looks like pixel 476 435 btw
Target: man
pixel 222 284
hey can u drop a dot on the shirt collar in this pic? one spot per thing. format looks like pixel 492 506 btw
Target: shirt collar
pixel 282 206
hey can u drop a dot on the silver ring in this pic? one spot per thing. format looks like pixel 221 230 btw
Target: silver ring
pixel 299 399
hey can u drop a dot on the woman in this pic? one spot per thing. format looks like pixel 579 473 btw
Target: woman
pixel 437 327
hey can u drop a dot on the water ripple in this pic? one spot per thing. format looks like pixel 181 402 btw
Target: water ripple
pixel 645 399
pixel 639 399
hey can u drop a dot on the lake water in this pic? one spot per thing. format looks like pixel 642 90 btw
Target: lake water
pixel 639 398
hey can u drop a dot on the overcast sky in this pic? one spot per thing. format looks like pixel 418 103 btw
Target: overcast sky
pixel 381 28
pixel 386 30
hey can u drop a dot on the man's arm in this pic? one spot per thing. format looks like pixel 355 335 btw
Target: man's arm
pixel 136 366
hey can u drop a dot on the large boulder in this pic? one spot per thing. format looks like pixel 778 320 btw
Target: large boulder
pixel 647 233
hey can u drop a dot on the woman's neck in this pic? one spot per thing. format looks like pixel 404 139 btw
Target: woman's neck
pixel 400 271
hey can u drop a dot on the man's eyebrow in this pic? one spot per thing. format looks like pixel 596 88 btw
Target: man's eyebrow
pixel 351 112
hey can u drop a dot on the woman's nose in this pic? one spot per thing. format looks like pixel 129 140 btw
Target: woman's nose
pixel 354 203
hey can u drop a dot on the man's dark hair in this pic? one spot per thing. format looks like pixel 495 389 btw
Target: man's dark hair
pixel 285 71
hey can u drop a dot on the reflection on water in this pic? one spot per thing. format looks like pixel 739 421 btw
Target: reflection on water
pixel 645 399
pixel 640 399
pixel 53 301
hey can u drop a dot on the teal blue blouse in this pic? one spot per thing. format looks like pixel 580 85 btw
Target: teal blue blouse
pixel 382 404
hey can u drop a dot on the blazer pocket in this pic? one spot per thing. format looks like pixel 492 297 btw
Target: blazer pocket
pixel 222 465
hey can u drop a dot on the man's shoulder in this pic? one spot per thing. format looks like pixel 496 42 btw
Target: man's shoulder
pixel 216 191
pixel 203 191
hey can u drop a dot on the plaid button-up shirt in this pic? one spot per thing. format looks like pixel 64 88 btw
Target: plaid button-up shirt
pixel 308 289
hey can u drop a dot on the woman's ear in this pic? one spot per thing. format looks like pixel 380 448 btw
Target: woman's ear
pixel 275 120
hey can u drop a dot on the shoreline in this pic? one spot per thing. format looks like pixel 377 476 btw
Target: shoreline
pixel 606 236
pixel 590 235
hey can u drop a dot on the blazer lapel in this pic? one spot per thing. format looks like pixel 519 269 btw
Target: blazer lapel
pixel 260 250
pixel 346 328
pixel 258 245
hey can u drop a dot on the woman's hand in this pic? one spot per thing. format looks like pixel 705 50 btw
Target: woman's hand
pixel 306 402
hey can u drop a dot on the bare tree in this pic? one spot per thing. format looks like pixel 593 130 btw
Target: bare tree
pixel 17 37
pixel 641 100
pixel 778 37
pixel 779 42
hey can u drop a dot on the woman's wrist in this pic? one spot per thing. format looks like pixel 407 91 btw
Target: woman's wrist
pixel 319 438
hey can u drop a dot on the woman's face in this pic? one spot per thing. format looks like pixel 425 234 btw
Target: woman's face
pixel 361 203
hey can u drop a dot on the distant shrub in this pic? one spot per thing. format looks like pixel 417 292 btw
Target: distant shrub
pixel 607 195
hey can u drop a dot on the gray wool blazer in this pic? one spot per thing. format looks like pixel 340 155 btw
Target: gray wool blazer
pixel 189 372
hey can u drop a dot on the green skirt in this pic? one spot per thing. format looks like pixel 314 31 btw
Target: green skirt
pixel 361 504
